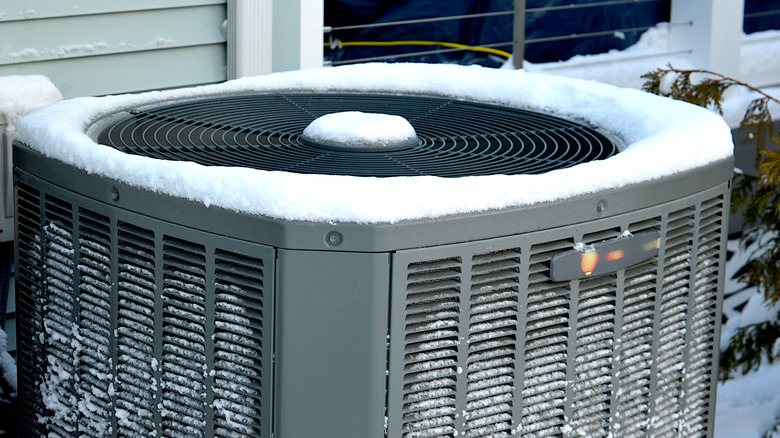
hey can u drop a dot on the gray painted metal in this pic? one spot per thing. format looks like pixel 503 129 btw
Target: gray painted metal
pixel 518 34
pixel 96 49
pixel 480 337
pixel 161 330
pixel 483 341
pixel 375 237
pixel 6 183
pixel 331 343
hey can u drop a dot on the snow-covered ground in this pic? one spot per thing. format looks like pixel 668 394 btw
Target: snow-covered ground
pixel 760 52
pixel 747 404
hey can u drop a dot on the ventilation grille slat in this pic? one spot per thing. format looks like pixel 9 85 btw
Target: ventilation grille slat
pixel 431 348
pixel 94 328
pixel 238 337
pixel 492 341
pixel 184 350
pixel 30 312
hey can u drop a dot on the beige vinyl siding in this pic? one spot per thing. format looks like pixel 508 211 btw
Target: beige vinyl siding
pixel 96 47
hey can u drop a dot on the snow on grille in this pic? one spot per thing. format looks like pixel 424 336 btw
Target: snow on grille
pixel 593 330
pixel 593 368
pixel 184 337
pixel 635 359
pixel 546 345
pixel 670 359
pixel 96 377
pixel 698 404
pixel 238 353
pixel 492 340
pixel 29 307
pixel 62 360
pixel 118 322
pixel 431 347
pixel 137 379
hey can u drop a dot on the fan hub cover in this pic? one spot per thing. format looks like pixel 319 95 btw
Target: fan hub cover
pixel 360 132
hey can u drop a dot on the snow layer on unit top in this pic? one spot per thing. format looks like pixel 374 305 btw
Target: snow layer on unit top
pixel 663 138
pixel 21 94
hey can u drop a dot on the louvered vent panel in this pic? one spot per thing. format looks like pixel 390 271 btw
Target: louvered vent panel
pixel 431 344
pixel 137 385
pixel 238 349
pixel 635 343
pixel 60 328
pixel 492 343
pixel 96 376
pixel 546 344
pixel 699 376
pixel 625 354
pixel 672 325
pixel 184 339
pixel 131 331
pixel 29 307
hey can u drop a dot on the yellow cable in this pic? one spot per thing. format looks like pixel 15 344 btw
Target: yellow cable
pixel 423 43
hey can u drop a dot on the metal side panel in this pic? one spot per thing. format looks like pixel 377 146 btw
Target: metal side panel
pixel 484 343
pixel 331 344
pixel 134 327
pixel 6 182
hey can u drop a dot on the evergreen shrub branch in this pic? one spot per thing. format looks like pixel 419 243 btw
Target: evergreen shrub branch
pixel 757 196
pixel 748 347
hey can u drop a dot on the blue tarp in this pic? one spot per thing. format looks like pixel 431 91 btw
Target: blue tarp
pixel 761 15
pixel 489 30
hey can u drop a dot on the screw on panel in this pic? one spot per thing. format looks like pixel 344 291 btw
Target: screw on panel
pixel 602 207
pixel 333 238
pixel 114 194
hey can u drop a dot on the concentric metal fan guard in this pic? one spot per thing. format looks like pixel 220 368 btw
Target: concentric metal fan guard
pixel 262 131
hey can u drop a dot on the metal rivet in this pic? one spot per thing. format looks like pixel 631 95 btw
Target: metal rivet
pixel 114 194
pixel 333 238
pixel 602 207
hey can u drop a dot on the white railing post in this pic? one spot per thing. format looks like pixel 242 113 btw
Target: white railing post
pixel 297 34
pixel 714 36
pixel 249 37
pixel 264 36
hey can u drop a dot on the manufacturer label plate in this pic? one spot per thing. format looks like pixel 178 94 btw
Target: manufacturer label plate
pixel 604 257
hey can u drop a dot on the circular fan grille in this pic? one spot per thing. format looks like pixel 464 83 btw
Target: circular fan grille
pixel 263 131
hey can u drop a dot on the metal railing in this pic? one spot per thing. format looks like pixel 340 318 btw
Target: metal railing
pixel 691 29
pixel 517 44
pixel 448 46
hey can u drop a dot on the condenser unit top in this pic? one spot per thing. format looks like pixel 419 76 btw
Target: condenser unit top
pixel 462 140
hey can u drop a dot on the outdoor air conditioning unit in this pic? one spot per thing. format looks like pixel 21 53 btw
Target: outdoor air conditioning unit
pixel 515 255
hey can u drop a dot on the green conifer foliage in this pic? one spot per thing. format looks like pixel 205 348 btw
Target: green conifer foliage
pixel 757 196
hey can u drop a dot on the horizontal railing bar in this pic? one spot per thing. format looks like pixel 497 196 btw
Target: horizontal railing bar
pixel 762 14
pixel 408 55
pixel 587 5
pixel 329 29
pixel 585 35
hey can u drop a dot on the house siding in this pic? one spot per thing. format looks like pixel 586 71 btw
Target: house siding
pixel 94 49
